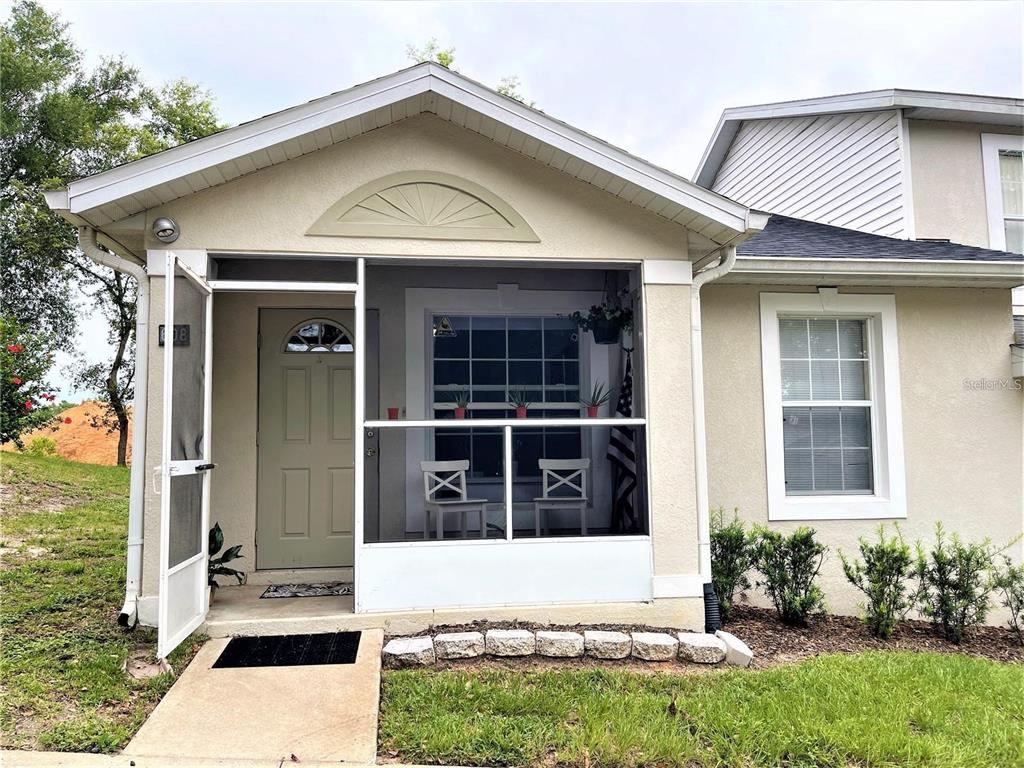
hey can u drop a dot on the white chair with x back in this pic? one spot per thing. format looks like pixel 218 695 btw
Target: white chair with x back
pixel 444 490
pixel 564 486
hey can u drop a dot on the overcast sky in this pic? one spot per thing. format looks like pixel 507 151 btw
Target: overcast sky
pixel 651 78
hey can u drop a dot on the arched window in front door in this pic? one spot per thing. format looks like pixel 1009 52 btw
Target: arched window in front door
pixel 318 336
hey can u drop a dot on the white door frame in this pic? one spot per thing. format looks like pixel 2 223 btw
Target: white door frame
pixel 168 638
pixel 358 292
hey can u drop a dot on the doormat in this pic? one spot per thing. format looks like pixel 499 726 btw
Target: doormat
pixel 290 650
pixel 323 589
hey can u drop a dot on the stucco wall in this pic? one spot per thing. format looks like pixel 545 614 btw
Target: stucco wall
pixel 670 417
pixel 272 209
pixel 948 182
pixel 964 448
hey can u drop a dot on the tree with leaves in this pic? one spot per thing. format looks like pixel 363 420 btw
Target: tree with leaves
pixel 61 122
pixel 25 400
pixel 432 51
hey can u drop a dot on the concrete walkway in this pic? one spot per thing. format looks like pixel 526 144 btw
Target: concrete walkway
pixel 20 759
pixel 320 713
pixel 83 760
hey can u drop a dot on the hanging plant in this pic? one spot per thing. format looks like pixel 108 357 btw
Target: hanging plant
pixel 607 319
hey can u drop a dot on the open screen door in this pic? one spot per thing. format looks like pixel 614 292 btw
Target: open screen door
pixel 185 463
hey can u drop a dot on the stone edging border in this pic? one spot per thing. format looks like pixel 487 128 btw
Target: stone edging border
pixel 696 647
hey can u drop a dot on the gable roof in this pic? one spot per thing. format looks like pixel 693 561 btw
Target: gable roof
pixel 425 88
pixel 786 237
pixel 916 105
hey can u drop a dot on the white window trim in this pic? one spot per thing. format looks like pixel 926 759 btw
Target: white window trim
pixel 991 145
pixel 889 498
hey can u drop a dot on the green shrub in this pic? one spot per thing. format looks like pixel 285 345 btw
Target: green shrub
pixel 41 446
pixel 954 583
pixel 731 553
pixel 882 576
pixel 1010 582
pixel 789 565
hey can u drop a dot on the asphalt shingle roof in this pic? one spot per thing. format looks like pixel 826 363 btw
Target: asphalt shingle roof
pixel 785 237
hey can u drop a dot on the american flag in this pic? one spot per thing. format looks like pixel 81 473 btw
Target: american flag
pixel 622 455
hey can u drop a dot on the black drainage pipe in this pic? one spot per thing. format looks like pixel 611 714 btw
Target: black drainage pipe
pixel 712 613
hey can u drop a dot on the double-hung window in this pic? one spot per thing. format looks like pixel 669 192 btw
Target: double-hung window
pixel 1003 164
pixel 832 412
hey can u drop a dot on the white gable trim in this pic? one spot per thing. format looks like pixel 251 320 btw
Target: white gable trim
pixel 233 143
pixel 914 104
pixel 272 130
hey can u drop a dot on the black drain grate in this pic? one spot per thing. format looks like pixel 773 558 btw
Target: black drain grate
pixel 290 650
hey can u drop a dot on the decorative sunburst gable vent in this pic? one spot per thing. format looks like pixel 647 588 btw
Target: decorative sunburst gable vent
pixel 424 204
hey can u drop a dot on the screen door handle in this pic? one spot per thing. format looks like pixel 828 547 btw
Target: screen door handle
pixel 205 467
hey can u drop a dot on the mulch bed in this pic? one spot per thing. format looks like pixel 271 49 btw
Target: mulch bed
pixel 772 642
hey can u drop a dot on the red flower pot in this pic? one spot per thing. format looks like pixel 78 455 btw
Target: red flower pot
pixel 460 412
pixel 592 411
pixel 393 414
pixel 520 411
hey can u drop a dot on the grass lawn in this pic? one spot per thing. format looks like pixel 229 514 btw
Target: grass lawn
pixel 878 708
pixel 62 547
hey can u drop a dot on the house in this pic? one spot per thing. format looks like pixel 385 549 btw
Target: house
pixel 342 305
pixel 918 165
pixel 909 194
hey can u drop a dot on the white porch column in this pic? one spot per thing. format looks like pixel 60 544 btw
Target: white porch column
pixel 673 500
pixel 359 408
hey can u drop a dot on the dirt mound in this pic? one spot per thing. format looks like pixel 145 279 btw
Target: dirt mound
pixel 79 440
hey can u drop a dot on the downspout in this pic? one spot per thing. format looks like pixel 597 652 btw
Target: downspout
pixel 129 615
pixel 711 614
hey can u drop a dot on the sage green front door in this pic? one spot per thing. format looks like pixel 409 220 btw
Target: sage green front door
pixel 306 466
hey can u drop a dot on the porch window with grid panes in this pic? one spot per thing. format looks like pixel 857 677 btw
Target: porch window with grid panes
pixel 827 405
pixel 490 356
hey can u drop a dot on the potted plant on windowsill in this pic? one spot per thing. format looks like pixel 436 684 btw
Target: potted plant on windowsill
pixel 598 396
pixel 518 400
pixel 461 403
pixel 606 320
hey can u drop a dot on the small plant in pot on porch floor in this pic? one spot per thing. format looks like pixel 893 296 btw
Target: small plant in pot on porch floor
pixel 598 396
pixel 217 566
pixel 518 399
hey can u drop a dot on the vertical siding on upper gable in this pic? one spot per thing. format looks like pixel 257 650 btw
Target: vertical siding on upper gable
pixel 844 169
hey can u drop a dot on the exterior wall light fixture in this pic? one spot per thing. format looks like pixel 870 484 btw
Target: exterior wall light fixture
pixel 165 230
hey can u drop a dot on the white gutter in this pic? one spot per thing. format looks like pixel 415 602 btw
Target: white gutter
pixel 699 427
pixel 129 616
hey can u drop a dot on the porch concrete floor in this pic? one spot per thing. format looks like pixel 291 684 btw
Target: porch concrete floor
pixel 240 611
pixel 317 713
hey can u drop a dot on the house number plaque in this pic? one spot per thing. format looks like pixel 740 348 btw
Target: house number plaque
pixel 180 336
